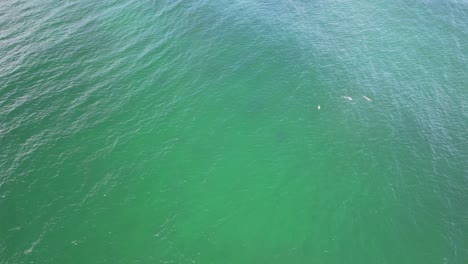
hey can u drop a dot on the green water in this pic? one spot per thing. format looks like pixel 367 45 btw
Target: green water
pixel 190 132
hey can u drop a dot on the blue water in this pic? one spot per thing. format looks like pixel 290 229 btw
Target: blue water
pixel 233 131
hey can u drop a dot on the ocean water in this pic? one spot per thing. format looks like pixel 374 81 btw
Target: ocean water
pixel 224 131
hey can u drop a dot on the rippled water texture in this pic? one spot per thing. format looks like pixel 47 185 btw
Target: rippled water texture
pixel 237 131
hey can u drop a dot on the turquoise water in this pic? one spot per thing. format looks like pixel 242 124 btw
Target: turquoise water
pixel 191 132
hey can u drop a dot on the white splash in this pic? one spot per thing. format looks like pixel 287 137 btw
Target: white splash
pixel 347 97
pixel 367 98
pixel 318 107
